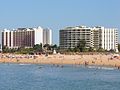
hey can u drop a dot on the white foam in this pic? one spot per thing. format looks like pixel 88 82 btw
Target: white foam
pixel 105 68
pixel 24 64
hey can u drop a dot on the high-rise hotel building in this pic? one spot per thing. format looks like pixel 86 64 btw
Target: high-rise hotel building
pixel 26 37
pixel 96 37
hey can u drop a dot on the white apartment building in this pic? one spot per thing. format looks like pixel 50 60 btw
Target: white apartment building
pixel 26 37
pixel 96 37
pixel 109 38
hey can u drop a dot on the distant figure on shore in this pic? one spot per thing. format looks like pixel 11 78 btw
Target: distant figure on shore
pixel 93 62
pixel 86 63
pixel 118 67
pixel 17 60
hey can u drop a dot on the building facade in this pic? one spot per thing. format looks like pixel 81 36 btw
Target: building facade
pixel 25 37
pixel 70 36
pixel 47 36
pixel 95 37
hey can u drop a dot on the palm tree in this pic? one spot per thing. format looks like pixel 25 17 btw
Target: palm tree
pixel 81 45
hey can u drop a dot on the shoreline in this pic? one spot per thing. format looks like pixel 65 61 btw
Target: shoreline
pixel 96 67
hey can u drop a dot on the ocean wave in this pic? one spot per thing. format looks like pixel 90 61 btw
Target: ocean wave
pixel 24 64
pixel 105 68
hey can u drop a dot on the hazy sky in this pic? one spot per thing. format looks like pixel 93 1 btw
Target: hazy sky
pixel 57 14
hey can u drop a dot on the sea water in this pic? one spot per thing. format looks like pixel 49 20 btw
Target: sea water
pixel 51 77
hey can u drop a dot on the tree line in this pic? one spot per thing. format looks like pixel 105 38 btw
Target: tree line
pixel 39 48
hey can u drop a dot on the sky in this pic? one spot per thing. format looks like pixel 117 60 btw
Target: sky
pixel 57 14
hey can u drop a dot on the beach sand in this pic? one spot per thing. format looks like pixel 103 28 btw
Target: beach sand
pixel 102 60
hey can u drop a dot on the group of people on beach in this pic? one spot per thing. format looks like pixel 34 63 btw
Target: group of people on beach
pixel 18 56
pixel 87 59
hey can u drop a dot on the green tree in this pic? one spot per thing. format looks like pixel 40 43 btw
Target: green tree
pixel 112 50
pixel 100 50
pixel 5 49
pixel 53 47
pixel 119 47
pixel 47 47
pixel 37 48
pixel 81 45
pixel 69 50
pixel 91 49
pixel 76 49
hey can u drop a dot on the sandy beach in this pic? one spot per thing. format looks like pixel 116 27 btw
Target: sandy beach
pixel 60 59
